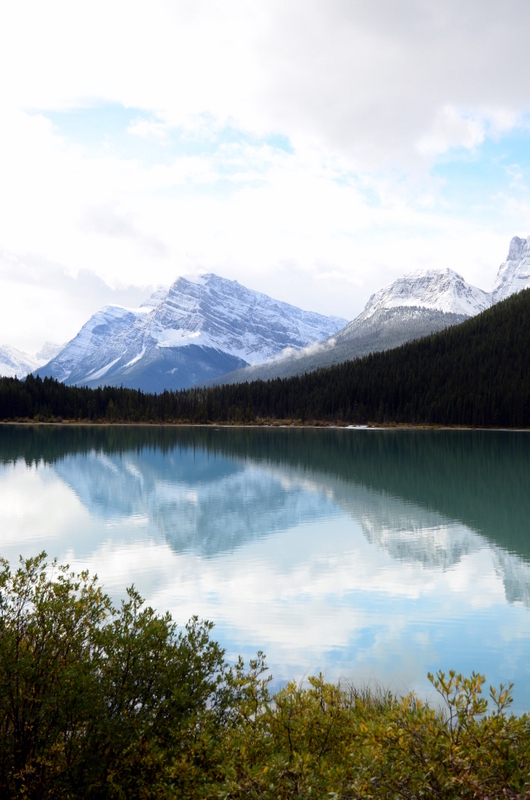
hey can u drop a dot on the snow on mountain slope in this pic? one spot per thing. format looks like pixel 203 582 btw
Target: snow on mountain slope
pixel 14 362
pixel 214 312
pixel 207 327
pixel 441 290
pixel 514 274
pixel 48 351
pixel 196 330
pixel 415 305
pixel 97 346
pixel 417 294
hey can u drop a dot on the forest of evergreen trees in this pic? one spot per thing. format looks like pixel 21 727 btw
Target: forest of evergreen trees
pixel 476 373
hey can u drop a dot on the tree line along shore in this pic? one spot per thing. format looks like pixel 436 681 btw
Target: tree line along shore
pixel 473 374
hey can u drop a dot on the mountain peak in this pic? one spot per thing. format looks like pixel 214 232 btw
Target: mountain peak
pixel 436 289
pixel 16 362
pixel 158 296
pixel 202 326
pixel 514 274
pixel 517 246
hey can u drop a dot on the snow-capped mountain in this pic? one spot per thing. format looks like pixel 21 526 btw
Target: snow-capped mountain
pixel 438 290
pixel 48 351
pixel 514 273
pixel 16 362
pixel 198 329
pixel 415 305
pixel 211 330
pixel 93 351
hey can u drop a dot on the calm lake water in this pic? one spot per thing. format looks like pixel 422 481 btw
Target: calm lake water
pixel 372 555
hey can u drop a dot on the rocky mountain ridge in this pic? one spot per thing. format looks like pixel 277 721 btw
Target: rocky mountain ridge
pixel 15 362
pixel 207 329
pixel 514 274
pixel 196 330
pixel 415 305
pixel 438 290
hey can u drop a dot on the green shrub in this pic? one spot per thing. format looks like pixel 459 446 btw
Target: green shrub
pixel 98 702
pixel 336 742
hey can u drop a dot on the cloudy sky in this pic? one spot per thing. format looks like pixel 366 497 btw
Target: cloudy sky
pixel 311 149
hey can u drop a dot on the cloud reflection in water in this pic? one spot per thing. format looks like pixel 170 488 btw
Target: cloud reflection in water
pixel 319 568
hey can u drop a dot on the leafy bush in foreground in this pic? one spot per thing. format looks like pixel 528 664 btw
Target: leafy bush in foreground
pixel 99 702
pixel 334 741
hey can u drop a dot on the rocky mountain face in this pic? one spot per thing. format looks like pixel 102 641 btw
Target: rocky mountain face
pixel 514 273
pixel 413 306
pixel 198 329
pixel 211 330
pixel 15 362
pixel 438 290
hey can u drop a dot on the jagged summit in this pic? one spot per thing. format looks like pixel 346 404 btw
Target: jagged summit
pixel 204 328
pixel 15 362
pixel 514 273
pixel 199 328
pixel 436 289
pixel 48 351
pixel 419 303
pixel 215 312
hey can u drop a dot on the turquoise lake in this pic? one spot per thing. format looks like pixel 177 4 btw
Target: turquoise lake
pixel 372 555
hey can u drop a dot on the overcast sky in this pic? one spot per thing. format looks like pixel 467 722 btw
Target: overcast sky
pixel 311 149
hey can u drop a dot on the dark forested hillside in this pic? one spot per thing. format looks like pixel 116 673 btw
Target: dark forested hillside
pixel 476 373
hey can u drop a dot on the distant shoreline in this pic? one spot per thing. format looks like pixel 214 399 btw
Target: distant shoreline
pixel 276 424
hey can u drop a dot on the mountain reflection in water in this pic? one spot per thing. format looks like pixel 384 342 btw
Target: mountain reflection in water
pixel 333 529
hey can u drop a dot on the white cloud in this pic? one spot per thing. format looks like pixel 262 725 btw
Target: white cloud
pixel 108 222
pixel 40 297
pixel 367 96
pixel 452 129
pixel 147 128
pixel 360 76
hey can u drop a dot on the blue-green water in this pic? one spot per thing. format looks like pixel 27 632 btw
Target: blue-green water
pixel 372 555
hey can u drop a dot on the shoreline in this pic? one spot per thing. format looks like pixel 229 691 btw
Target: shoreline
pixel 272 424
